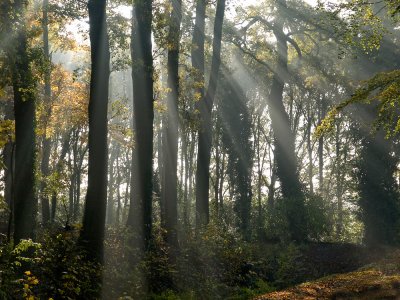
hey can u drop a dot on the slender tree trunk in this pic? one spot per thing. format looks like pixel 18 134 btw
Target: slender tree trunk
pixel 46 144
pixel 45 170
pixel 8 161
pixel 170 138
pixel 205 131
pixel 160 161
pixel 92 234
pixel 217 168
pixel 110 203
pixel 257 142
pixel 191 174
pixel 271 188
pixel 78 179
pixel 71 189
pixel 140 210
pixel 339 225
pixel 118 184
pixel 186 180
pixel 310 155
pixel 221 184
pixel 79 171
pixel 25 202
pixel 321 115
pixel 64 150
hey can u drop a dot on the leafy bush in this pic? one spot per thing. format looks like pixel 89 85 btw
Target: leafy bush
pixel 317 223
pixel 55 268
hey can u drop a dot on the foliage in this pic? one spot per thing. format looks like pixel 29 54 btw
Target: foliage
pixel 383 89
pixel 54 268
pixel 7 129
pixel 318 225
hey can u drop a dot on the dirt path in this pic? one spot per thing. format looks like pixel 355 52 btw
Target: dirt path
pixel 368 285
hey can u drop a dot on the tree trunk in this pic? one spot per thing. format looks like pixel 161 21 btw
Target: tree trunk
pixel 321 115
pixel 379 195
pixel 217 167
pixel 185 155
pixel 205 131
pixel 170 138
pixel 339 224
pixel 25 202
pixel 285 155
pixel 8 161
pixel 58 169
pixel 92 235
pixel 118 184
pixel 110 202
pixel 140 210
pixel 191 173
pixel 310 155
pixel 46 144
pixel 71 189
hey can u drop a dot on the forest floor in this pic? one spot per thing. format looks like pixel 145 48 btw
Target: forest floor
pixel 377 280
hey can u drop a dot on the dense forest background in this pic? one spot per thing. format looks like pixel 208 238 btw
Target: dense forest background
pixel 169 149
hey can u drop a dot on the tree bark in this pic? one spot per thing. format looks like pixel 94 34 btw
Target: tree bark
pixel 285 155
pixel 25 202
pixel 58 169
pixel 92 234
pixel 8 161
pixel 46 143
pixel 140 210
pixel 110 202
pixel 205 132
pixel 321 115
pixel 170 140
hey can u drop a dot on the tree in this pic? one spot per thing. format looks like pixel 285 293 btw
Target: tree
pixel 24 84
pixel 205 106
pixel 140 209
pixel 379 198
pixel 286 161
pixel 236 121
pixel 46 144
pixel 92 234
pixel 170 141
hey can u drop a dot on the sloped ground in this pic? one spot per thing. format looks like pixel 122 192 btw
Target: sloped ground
pixel 379 280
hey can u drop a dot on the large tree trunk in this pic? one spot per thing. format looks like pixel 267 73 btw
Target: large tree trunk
pixel 286 161
pixel 92 234
pixel 379 198
pixel 198 63
pixel 170 138
pixel 205 132
pixel 25 202
pixel 140 210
